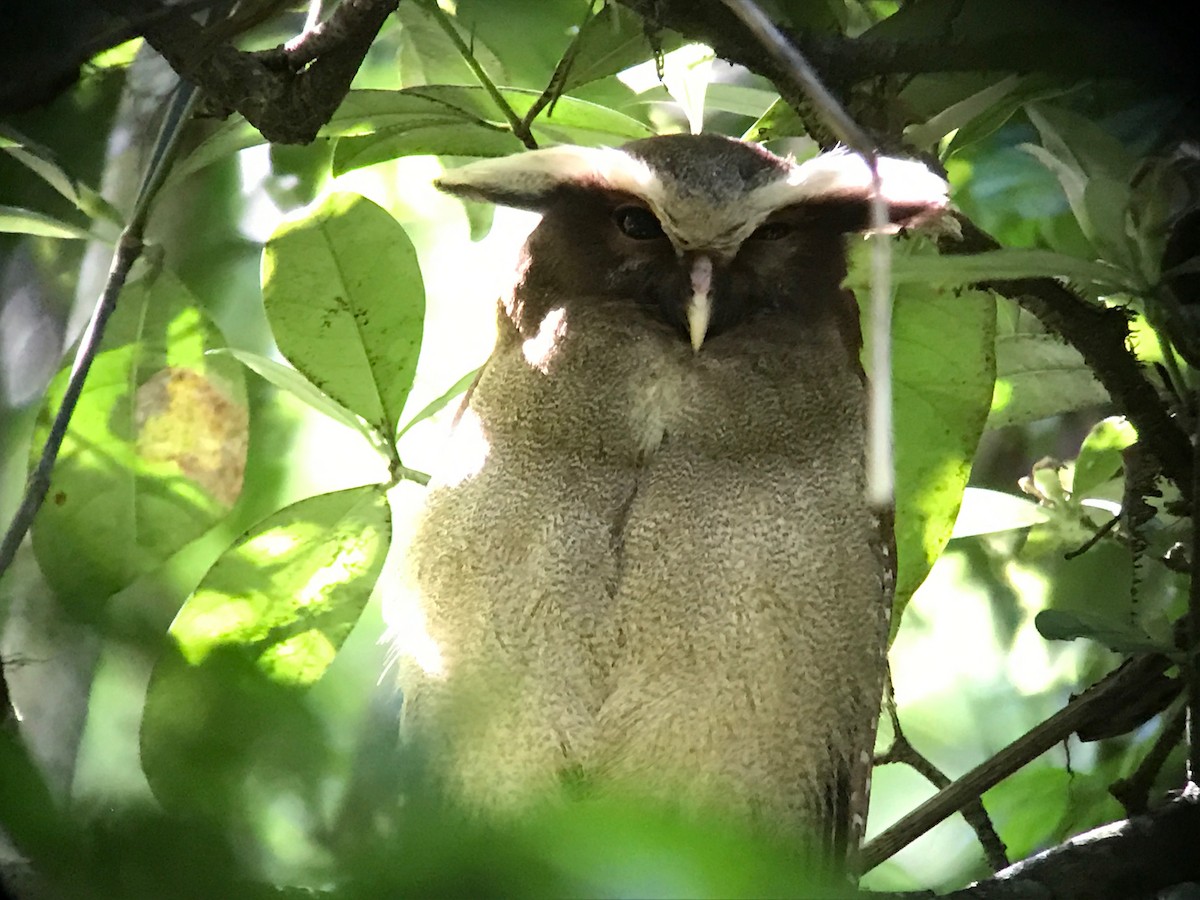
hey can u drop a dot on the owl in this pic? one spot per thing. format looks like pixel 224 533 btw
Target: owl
pixel 648 567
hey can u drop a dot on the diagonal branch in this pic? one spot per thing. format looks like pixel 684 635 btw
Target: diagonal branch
pixel 129 249
pixel 1094 705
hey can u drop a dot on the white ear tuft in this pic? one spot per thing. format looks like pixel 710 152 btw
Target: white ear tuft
pixel 905 182
pixel 527 180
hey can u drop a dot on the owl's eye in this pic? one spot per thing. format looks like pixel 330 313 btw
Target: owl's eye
pixel 772 231
pixel 637 222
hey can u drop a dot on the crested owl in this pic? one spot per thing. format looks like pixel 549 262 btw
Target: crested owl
pixel 649 565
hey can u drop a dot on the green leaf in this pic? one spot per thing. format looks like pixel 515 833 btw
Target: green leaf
pixel 410 139
pixel 289 591
pixel 778 121
pixel 426 55
pixel 957 115
pixel 15 220
pixel 1100 456
pixel 264 624
pixel 288 379
pixel 443 401
pixel 1106 204
pixel 461 120
pixel 988 512
pixel 943 370
pixel 1060 625
pixel 1037 376
pixel 155 452
pixel 1080 143
pixel 233 135
pixel 1007 264
pixel 1030 87
pixel 42 162
pixel 343 294
pixel 611 41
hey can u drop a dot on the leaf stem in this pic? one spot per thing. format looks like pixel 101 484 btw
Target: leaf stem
pixel 129 248
pixel 519 127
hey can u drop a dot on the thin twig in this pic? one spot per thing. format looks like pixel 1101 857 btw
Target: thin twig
pixel 562 70
pixel 515 122
pixel 1133 792
pixel 902 751
pixel 1091 542
pixel 1098 700
pixel 129 249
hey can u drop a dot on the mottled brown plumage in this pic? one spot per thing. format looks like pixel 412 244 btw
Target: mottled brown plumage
pixel 649 562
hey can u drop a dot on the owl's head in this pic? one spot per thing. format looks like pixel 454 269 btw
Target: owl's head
pixel 699 232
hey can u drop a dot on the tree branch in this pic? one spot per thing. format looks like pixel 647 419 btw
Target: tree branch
pixel 902 751
pixel 1134 859
pixel 1046 40
pixel 287 93
pixel 1115 691
pixel 129 249
pixel 1099 333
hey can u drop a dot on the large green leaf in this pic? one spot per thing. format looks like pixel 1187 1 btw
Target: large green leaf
pixel 461 120
pixel 343 293
pixel 1037 375
pixel 427 55
pixel 289 591
pixel 943 371
pixel 612 40
pixel 156 449
pixel 997 265
pixel 264 623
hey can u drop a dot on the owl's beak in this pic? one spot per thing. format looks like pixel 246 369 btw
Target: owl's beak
pixel 699 308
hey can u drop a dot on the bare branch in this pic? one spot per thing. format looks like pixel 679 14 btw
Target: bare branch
pixel 129 249
pixel 287 93
pixel 1096 703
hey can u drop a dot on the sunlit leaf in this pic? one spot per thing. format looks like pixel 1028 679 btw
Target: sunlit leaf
pixel 156 448
pixel 263 624
pixel 436 406
pixel 778 121
pixel 343 292
pixel 1037 376
pixel 426 55
pixel 15 220
pixel 291 589
pixel 997 265
pixel 463 120
pixel 943 372
pixel 288 379
pixel 987 512
pixel 610 41
pixel 1100 455
pixel 465 138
